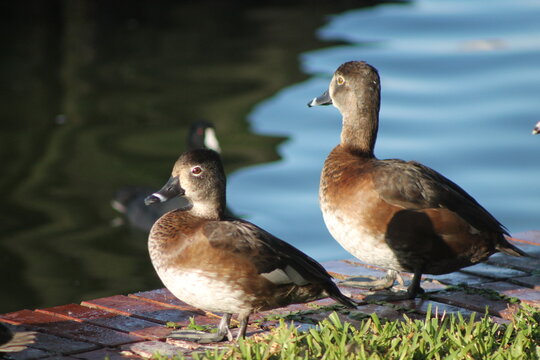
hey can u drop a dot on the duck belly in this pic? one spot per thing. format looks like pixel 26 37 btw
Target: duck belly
pixel 365 245
pixel 206 291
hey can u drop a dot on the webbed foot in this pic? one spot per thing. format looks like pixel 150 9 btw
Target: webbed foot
pixel 202 337
pixel 199 337
pixel 374 283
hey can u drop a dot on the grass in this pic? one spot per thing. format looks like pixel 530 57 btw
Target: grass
pixel 436 337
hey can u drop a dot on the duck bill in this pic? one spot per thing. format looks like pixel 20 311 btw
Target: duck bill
pixel 324 99
pixel 171 189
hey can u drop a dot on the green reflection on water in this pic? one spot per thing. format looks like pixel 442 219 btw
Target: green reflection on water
pixel 98 95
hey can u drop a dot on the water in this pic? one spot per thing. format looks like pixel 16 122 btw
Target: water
pixel 460 93
pixel 98 97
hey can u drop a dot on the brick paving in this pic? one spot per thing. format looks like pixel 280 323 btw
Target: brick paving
pixel 133 326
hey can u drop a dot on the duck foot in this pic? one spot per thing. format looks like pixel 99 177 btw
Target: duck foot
pixel 202 337
pixel 413 290
pixel 387 295
pixel 199 337
pixel 375 283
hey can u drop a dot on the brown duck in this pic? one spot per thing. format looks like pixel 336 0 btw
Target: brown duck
pixel 401 216
pixel 225 264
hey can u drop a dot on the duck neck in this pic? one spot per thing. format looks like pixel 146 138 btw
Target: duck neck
pixel 208 209
pixel 359 131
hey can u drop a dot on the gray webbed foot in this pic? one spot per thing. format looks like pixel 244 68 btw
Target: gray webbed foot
pixel 199 337
pixel 202 337
pixel 375 283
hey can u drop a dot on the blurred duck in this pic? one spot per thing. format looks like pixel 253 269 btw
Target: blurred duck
pixel 129 200
pixel 401 216
pixel 224 264
pixel 536 129
pixel 14 342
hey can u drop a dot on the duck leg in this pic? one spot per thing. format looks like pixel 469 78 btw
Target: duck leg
pixel 383 283
pixel 414 288
pixel 202 337
pixel 243 326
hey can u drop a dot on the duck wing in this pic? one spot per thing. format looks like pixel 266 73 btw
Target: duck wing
pixel 274 259
pixel 415 187
pixel 267 253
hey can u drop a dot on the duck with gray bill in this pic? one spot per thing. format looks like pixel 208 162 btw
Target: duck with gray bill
pixel 225 264
pixel 398 215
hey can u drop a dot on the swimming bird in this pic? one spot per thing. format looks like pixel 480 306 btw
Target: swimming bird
pixel 536 128
pixel 14 342
pixel 224 264
pixel 401 216
pixel 129 200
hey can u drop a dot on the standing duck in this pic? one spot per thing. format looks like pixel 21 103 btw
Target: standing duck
pixel 401 216
pixel 224 264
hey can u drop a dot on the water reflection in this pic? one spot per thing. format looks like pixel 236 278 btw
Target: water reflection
pixel 98 95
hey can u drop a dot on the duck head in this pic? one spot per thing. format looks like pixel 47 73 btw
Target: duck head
pixel 198 176
pixel 355 84
pixel 355 91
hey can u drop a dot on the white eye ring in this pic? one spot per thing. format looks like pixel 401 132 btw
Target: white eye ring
pixel 340 80
pixel 196 170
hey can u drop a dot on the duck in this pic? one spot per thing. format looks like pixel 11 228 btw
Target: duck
pixel 399 215
pixel 536 128
pixel 225 264
pixel 129 200
pixel 14 342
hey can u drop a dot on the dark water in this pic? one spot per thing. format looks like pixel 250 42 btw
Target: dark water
pixel 98 95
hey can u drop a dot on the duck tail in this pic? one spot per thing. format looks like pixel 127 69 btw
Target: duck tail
pixel 342 299
pixel 509 249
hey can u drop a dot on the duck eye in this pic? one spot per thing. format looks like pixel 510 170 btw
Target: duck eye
pixel 340 80
pixel 196 170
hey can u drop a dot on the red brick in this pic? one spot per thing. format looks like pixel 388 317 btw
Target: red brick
pixel 457 278
pixel 493 272
pixel 61 345
pixel 499 286
pixel 31 353
pixel 526 264
pixel 352 267
pixel 53 343
pixel 477 302
pixel 387 312
pixel 162 297
pixel 532 281
pixel 421 306
pixel 107 319
pixel 109 354
pixel 68 328
pixel 124 305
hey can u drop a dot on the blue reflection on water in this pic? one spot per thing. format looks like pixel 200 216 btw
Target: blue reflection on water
pixel 460 93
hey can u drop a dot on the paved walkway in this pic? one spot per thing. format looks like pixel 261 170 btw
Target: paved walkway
pixel 133 326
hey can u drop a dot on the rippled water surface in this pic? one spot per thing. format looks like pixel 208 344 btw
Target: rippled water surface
pixel 99 96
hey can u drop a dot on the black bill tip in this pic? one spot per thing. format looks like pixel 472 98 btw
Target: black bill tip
pixel 324 99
